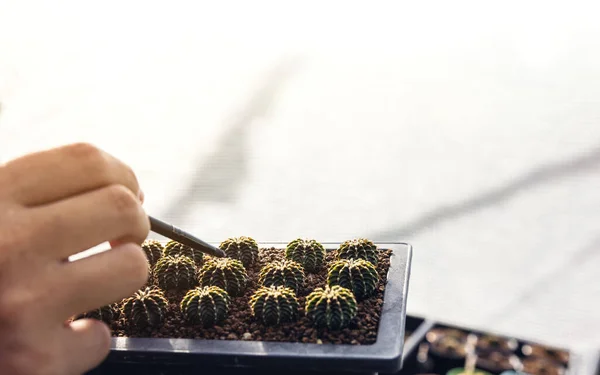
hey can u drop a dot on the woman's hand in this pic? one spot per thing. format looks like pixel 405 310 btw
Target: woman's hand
pixel 54 204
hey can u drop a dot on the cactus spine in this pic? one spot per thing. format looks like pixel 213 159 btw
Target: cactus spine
pixel 284 273
pixel 358 275
pixel 146 308
pixel 226 273
pixel 241 248
pixel 309 253
pixel 207 305
pixel 331 307
pixel 175 273
pixel 358 248
pixel 107 314
pixel 173 248
pixel 153 250
pixel 274 305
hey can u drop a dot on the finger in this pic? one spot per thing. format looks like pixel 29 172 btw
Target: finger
pixel 55 174
pixel 87 344
pixel 98 280
pixel 116 243
pixel 79 223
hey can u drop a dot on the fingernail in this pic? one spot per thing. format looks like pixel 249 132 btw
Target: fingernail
pixel 141 196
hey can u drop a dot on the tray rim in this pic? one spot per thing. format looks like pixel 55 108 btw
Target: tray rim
pixel 417 337
pixel 385 355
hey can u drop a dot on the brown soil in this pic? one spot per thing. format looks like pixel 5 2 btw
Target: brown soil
pixel 240 325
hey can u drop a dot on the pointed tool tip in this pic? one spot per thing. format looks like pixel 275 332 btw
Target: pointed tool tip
pixel 220 253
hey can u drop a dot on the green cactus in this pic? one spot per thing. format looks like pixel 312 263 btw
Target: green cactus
pixel 332 307
pixel 242 248
pixel 274 305
pixel 358 248
pixel 146 308
pixel 358 275
pixel 107 314
pixel 226 273
pixel 309 253
pixel 284 273
pixel 153 250
pixel 150 280
pixel 175 248
pixel 207 305
pixel 175 273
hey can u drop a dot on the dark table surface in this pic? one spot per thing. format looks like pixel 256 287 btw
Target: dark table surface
pixel 195 370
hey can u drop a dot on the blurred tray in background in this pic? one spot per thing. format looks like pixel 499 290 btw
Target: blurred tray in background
pixel 437 348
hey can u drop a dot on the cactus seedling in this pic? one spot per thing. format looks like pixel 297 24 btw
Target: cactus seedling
pixel 147 307
pixel 150 280
pixel 309 253
pixel 358 248
pixel 331 307
pixel 274 305
pixel 358 275
pixel 284 273
pixel 153 250
pixel 226 273
pixel 175 248
pixel 207 305
pixel 242 248
pixel 107 314
pixel 175 273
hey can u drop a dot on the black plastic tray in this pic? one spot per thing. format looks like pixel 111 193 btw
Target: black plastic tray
pixel 581 362
pixel 385 355
pixel 418 328
pixel 415 330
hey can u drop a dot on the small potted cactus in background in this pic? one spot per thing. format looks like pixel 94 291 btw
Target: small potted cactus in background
pixel 301 291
